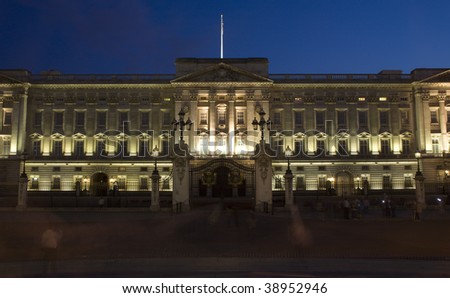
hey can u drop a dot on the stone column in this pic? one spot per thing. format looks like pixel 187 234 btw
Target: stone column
pixel 443 123
pixel 420 188
pixel 263 179
pixel 181 185
pixel 288 189
pixel 155 191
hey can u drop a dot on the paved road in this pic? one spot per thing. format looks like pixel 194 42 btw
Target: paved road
pixel 215 242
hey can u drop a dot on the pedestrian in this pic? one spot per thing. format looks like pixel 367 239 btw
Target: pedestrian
pixel 418 211
pixel 50 242
pixel 346 206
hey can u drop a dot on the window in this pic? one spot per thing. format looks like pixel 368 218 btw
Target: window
pixel 79 119
pixel 343 148
pixel 387 182
pixel 364 147
pixel 6 147
pixel 435 145
pixel 34 182
pixel 240 117
pixel 301 185
pixel 383 98
pixel 122 148
pixel 166 118
pixel 298 118
pixel 278 145
pixel 145 119
pixel 123 121
pixel 37 119
pixel 320 119
pixel 57 148
pixel 221 118
pixel 408 181
pixel 385 147
pixel 56 182
pixel 322 185
pixel 203 146
pixel 221 145
pixel 278 182
pixel 384 118
pixel 101 120
pixel 36 149
pixel 320 147
pixel 404 118
pixel 7 117
pixel 363 119
pixel 58 119
pixel 434 117
pixel 166 184
pixel 298 147
pixel 203 117
pixel 143 148
pixel 100 147
pixel 406 149
pixel 143 183
pixel 164 147
pixel 121 182
pixel 79 148
pixel 342 119
pixel 277 118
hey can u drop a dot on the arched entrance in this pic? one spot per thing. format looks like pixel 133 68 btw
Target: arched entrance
pixel 344 184
pixel 99 184
pixel 222 188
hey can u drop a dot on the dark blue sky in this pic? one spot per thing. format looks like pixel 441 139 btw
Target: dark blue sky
pixel 298 36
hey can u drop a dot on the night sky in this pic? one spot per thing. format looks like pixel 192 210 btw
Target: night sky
pixel 298 36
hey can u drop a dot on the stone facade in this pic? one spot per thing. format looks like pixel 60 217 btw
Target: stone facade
pixel 347 131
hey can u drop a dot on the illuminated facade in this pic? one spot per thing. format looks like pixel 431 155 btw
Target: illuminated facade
pixel 346 131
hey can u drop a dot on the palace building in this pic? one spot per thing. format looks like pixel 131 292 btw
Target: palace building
pixel 339 134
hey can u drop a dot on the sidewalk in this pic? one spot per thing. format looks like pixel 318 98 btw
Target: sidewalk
pixel 232 267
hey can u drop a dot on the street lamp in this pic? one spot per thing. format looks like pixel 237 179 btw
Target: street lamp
pixel 357 182
pixel 418 155
pixel 288 153
pixel 262 123
pixel 155 154
pixel 24 160
pixel 188 123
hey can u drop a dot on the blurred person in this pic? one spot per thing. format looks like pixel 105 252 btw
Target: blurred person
pixel 50 240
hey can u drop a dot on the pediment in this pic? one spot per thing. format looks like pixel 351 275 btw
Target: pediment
pixel 443 77
pixel 221 73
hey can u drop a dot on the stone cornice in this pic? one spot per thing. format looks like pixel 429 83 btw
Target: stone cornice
pixel 100 86
pixel 221 85
pixel 343 85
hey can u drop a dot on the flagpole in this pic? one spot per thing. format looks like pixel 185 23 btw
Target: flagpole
pixel 221 36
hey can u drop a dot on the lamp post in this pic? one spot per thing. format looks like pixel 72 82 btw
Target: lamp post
pixel 23 185
pixel 262 123
pixel 181 124
pixel 155 206
pixel 418 155
pixel 420 186
pixel 288 177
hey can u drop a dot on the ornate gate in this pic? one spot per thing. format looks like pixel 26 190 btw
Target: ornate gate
pixel 222 178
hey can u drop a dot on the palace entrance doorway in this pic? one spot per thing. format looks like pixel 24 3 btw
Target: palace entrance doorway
pixel 344 184
pixel 99 184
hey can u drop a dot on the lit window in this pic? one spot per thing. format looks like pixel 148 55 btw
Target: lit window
pixel 203 117
pixel 383 98
pixel 361 99
pixel 167 99
pixel 240 117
